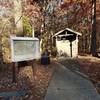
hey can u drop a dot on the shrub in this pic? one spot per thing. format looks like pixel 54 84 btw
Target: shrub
pixel 27 28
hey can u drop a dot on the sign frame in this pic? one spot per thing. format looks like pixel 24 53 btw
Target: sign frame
pixel 36 40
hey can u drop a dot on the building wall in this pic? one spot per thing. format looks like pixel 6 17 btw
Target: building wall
pixel 63 47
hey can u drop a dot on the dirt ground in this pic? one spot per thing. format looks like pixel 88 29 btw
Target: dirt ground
pixel 34 80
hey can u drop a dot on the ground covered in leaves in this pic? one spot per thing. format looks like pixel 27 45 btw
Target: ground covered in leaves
pixel 91 67
pixel 87 66
pixel 34 80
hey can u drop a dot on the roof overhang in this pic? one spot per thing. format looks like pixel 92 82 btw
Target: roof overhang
pixel 72 32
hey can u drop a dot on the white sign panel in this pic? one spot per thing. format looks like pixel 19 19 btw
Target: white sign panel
pixel 24 48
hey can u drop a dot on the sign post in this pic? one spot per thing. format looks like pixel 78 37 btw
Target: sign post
pixel 13 72
pixel 23 49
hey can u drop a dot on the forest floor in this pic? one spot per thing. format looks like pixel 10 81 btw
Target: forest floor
pixel 91 67
pixel 34 81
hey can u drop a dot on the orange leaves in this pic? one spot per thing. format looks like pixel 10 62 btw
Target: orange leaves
pixel 6 3
pixel 33 12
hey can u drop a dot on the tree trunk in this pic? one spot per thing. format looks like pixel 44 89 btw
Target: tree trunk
pixel 18 16
pixel 93 35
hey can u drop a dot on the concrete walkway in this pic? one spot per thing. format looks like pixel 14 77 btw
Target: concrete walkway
pixel 67 85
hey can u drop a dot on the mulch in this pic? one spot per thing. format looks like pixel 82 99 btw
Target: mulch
pixel 34 80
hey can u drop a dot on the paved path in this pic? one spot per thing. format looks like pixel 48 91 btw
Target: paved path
pixel 67 85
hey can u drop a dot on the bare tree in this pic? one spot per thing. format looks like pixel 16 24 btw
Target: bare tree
pixel 18 14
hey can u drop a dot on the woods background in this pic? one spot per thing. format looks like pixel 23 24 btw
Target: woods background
pixel 19 17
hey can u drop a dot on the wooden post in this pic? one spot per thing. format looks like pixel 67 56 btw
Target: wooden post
pixel 71 49
pixel 13 72
pixel 32 62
